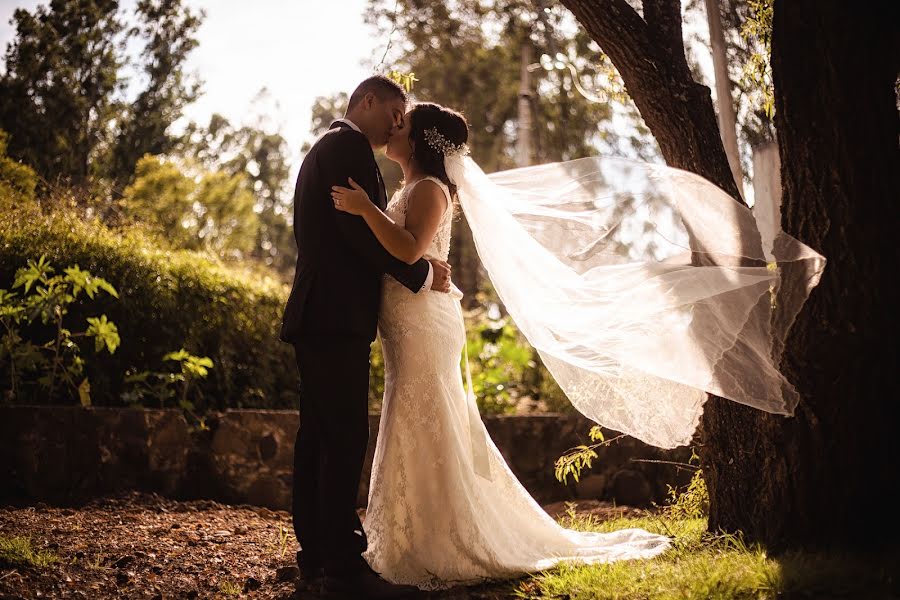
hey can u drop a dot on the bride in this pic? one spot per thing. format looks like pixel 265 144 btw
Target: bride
pixel 642 287
pixel 431 519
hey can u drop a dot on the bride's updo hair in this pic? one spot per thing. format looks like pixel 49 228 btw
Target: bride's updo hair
pixel 428 155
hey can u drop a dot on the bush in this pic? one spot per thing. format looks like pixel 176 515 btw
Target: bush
pixel 167 300
pixel 179 299
pixel 16 179
pixel 507 373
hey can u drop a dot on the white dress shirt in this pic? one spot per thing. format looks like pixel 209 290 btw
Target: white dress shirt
pixel 430 277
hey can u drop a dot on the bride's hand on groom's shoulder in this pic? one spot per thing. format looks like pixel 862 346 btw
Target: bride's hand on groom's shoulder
pixel 353 200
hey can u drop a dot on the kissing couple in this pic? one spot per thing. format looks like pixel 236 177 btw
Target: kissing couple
pixel 444 508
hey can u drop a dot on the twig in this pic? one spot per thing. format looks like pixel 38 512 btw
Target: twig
pixel 666 462
pixel 391 34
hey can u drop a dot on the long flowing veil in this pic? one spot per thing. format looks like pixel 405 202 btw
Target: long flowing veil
pixel 642 287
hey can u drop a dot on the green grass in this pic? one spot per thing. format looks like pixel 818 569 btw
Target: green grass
pixel 18 552
pixel 703 566
pixel 230 588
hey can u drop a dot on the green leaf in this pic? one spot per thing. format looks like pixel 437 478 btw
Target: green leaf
pixel 106 286
pixel 104 332
pixel 139 377
pixel 33 273
pixel 178 355
pixel 79 279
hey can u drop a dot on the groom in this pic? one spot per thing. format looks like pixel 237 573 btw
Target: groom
pixel 331 319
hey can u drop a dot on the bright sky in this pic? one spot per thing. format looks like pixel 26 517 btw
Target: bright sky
pixel 297 49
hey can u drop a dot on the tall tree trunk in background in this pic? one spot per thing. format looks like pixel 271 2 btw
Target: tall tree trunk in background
pixel 724 102
pixel 821 477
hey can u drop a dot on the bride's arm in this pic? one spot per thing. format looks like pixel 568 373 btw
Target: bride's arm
pixel 423 216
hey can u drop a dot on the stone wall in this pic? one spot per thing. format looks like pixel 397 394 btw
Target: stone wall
pixel 65 455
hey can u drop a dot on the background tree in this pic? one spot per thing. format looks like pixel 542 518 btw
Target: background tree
pixel 799 481
pixel 211 211
pixel 168 29
pixel 262 158
pixel 57 94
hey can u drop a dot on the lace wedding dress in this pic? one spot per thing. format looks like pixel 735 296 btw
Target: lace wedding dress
pixel 444 507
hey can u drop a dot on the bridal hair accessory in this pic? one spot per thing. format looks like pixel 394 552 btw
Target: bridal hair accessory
pixel 442 145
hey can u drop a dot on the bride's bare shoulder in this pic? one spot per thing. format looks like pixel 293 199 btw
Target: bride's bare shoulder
pixel 427 194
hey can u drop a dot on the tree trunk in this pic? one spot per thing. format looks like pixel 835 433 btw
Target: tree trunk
pixel 820 478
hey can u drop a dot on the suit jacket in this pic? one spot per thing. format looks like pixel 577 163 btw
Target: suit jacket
pixel 337 283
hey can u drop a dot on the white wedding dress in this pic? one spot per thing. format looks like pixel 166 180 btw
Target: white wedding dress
pixel 444 507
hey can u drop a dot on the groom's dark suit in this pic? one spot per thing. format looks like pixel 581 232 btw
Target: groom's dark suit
pixel 331 318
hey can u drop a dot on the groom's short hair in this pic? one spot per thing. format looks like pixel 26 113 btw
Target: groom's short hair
pixel 381 86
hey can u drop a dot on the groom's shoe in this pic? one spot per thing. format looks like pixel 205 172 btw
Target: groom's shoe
pixel 363 584
pixel 311 574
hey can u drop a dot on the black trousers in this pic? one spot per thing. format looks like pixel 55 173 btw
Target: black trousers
pixel 330 450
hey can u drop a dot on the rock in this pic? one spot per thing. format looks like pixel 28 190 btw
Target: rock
pixel 252 584
pixel 268 447
pixel 289 573
pixel 591 487
pixel 631 488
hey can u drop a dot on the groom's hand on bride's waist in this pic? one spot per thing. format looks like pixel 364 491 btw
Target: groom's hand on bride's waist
pixel 441 281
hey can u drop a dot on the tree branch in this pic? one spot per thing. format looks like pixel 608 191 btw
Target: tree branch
pixel 663 19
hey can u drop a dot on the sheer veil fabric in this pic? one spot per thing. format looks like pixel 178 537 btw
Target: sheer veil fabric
pixel 642 287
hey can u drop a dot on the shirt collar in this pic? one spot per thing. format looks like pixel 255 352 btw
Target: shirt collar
pixel 350 123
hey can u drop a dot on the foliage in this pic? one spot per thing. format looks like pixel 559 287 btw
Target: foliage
pixel 39 313
pixel 704 566
pixel 404 79
pixel 168 29
pixel 17 178
pixel 499 358
pixel 211 211
pixel 376 377
pixel 162 386
pixel 56 95
pixel 168 299
pixel 757 29
pixel 581 457
pixel 62 92
pixel 692 503
pixel 17 552
pixel 261 157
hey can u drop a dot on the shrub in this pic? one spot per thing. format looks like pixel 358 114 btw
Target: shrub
pixel 167 300
pixel 15 178
pixel 50 355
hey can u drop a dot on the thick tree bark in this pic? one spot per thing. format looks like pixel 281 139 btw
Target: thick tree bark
pixel 819 478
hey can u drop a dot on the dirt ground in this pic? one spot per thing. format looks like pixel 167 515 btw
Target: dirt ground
pixel 146 546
